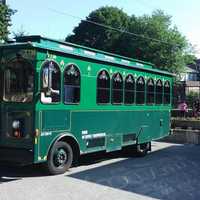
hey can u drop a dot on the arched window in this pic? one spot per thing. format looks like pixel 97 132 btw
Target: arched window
pixel 71 85
pixel 103 87
pixel 159 92
pixel 117 88
pixel 50 82
pixel 150 91
pixel 167 92
pixel 140 90
pixel 129 92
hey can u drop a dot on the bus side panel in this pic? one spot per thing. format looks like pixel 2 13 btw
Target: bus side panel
pixel 113 129
pixel 156 126
pixel 100 130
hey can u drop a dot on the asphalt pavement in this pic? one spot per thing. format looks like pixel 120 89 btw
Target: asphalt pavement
pixel 170 171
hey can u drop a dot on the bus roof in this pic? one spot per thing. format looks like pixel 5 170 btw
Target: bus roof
pixel 78 50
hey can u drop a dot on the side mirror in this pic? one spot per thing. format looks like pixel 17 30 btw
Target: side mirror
pixel 47 81
pixel 45 78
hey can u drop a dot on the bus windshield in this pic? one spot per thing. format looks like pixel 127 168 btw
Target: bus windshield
pixel 18 81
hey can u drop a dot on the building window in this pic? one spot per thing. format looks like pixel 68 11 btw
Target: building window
pixel 192 77
pixel 103 87
pixel 159 92
pixel 150 91
pixel 71 85
pixel 117 89
pixel 129 92
pixel 50 82
pixel 140 90
pixel 167 92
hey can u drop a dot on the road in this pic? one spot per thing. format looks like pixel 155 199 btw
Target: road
pixel 170 171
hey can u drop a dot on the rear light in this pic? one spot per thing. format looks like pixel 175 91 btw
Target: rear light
pixel 17 134
pixel 17 129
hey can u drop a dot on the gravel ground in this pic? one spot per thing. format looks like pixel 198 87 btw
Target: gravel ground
pixel 170 171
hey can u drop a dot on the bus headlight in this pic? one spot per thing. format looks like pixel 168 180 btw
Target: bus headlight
pixel 16 124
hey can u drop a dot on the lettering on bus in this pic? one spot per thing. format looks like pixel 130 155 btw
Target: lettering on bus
pixel 46 133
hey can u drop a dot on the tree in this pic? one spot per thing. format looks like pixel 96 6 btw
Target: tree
pixel 5 21
pixel 168 49
pixel 92 35
pixel 20 32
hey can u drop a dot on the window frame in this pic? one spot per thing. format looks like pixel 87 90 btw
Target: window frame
pixel 41 78
pixel 122 89
pixel 136 91
pixel 71 103
pixel 97 78
pixel 27 61
pixel 168 103
pixel 148 94
pixel 156 93
pixel 132 91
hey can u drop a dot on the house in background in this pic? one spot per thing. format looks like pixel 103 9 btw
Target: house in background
pixel 189 83
pixel 191 80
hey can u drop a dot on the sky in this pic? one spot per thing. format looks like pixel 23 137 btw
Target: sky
pixel 52 18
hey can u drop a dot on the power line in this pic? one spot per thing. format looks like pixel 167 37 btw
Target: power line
pixel 110 27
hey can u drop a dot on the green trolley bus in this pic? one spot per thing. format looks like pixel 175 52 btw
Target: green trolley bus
pixel 60 100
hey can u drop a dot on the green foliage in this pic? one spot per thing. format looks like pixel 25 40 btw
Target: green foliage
pixel 5 21
pixel 172 54
pixel 99 37
pixel 191 97
pixel 20 32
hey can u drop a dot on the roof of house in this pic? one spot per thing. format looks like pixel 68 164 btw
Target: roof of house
pixel 195 65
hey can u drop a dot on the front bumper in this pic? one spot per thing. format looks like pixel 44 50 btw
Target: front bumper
pixel 16 156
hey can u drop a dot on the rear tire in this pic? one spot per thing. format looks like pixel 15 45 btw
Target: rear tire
pixel 142 149
pixel 59 158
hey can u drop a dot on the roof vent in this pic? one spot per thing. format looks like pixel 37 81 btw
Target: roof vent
pixel 33 38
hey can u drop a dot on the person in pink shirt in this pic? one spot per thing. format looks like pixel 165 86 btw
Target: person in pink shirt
pixel 183 108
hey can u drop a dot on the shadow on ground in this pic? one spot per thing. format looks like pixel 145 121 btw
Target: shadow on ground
pixel 171 173
pixel 9 172
pixel 13 173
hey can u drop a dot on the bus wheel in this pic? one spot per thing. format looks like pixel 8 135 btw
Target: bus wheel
pixel 142 149
pixel 60 158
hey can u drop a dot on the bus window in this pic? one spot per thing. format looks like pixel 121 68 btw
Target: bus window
pixel 50 82
pixel 140 90
pixel 167 92
pixel 18 81
pixel 71 85
pixel 103 87
pixel 159 92
pixel 129 92
pixel 150 91
pixel 117 89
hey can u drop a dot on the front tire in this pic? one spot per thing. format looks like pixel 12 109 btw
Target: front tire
pixel 59 158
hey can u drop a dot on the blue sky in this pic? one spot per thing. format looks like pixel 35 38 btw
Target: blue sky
pixel 38 17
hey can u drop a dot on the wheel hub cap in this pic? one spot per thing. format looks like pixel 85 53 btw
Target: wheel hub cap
pixel 60 157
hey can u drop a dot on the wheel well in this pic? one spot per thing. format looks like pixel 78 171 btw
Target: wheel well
pixel 74 145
